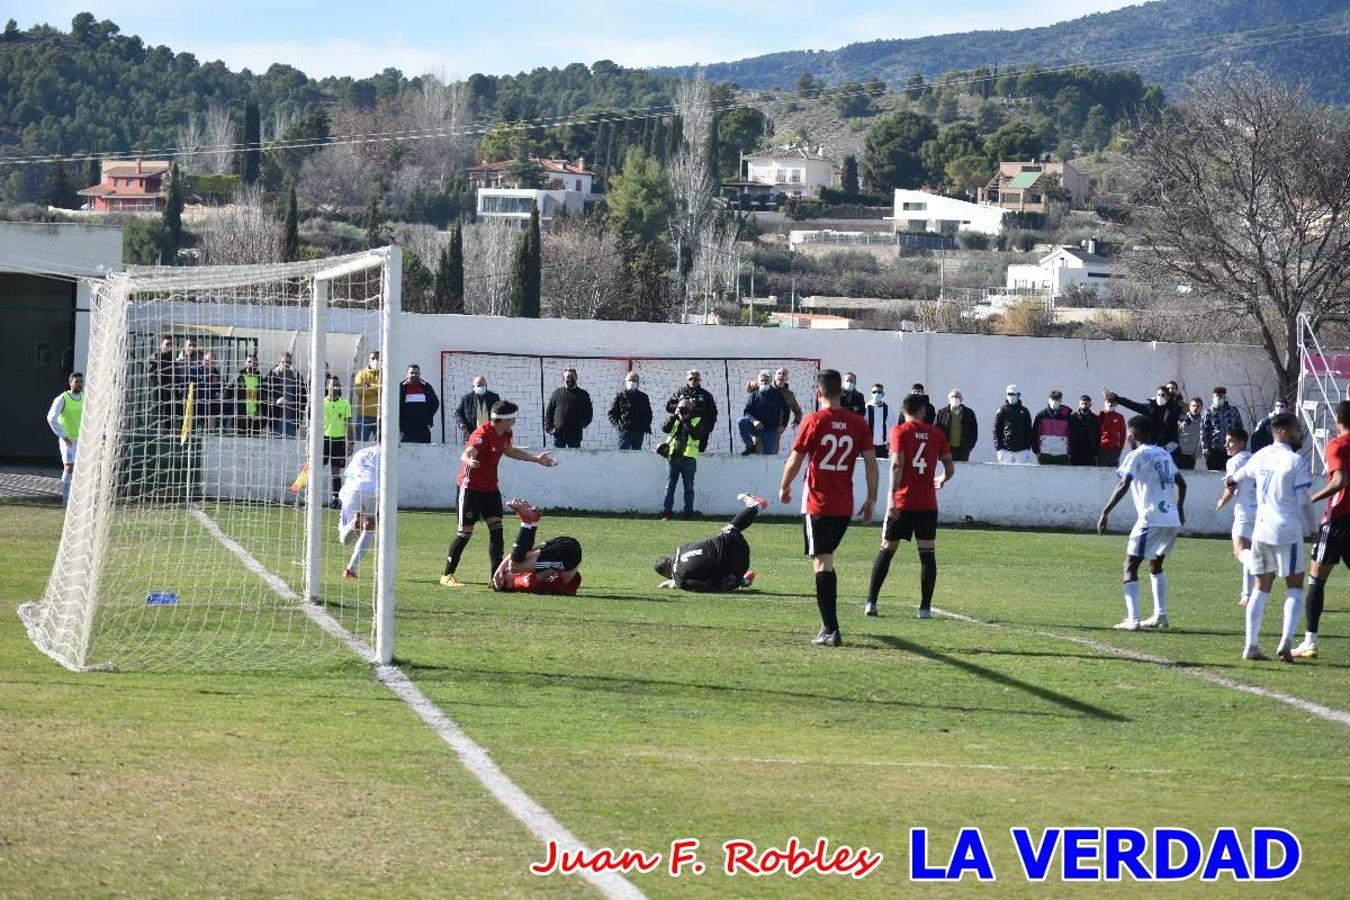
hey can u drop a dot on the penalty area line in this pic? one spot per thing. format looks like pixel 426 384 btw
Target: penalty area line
pixel 473 756
pixel 1322 712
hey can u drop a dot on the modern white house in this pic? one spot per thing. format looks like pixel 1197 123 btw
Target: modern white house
pixel 1062 268
pixel 789 171
pixel 514 204
pixel 925 211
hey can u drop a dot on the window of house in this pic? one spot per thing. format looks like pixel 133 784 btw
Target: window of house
pixel 914 207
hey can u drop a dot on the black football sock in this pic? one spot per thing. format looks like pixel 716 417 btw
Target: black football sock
pixel 745 518
pixel 881 567
pixel 456 551
pixel 496 547
pixel 524 543
pixel 827 590
pixel 927 577
pixel 337 484
pixel 1313 601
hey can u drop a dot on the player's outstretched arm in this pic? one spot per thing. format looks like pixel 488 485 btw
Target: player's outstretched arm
pixel 1334 485
pixel 1116 495
pixel 469 457
pixel 544 459
pixel 1181 498
pixel 870 470
pixel 790 470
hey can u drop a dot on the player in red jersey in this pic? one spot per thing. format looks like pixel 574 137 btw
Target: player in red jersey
pixel 1333 541
pixel 916 449
pixel 550 569
pixel 479 496
pixel 829 441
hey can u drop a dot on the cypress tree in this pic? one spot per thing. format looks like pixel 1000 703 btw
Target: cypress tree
pixel 533 267
pixel 455 277
pixel 520 266
pixel 248 168
pixel 373 222
pixel 173 218
pixel 57 190
pixel 291 219
pixel 848 180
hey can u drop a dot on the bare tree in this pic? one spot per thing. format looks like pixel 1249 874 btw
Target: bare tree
pixel 221 137
pixel 334 179
pixel 583 272
pixel 489 249
pixel 246 232
pixel 437 112
pixel 189 142
pixel 692 178
pixel 1241 203
pixel 283 117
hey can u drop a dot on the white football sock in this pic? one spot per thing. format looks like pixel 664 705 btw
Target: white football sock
pixel 65 487
pixel 1293 608
pixel 1256 607
pixel 1310 637
pixel 360 550
pixel 1248 580
pixel 1159 584
pixel 1132 600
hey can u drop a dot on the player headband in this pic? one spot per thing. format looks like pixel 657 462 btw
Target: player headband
pixel 502 417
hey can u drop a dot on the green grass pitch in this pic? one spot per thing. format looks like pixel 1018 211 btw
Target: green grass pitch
pixel 638 716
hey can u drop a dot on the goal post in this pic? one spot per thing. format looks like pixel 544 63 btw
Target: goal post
pixel 191 539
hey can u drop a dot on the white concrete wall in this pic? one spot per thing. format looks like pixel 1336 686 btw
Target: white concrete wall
pixel 982 218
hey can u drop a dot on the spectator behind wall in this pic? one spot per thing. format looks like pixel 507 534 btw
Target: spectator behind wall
pixel 705 407
pixel 1012 430
pixel 878 420
pixel 852 399
pixel 957 421
pixel 1050 432
pixel 929 413
pixel 1112 439
pixel 569 412
pixel 475 407
pixel 1189 433
pixel 631 413
pixel 1221 418
pixel 1084 434
pixel 417 407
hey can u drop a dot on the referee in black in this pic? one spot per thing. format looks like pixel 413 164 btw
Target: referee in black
pixel 718 564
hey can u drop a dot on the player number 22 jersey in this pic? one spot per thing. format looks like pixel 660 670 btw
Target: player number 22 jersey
pixel 831 439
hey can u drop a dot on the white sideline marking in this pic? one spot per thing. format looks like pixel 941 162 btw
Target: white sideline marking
pixel 1308 706
pixel 473 757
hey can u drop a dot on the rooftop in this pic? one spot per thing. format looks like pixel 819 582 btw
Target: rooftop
pixel 124 168
pixel 549 166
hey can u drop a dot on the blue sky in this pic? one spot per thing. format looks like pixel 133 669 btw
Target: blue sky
pixel 460 37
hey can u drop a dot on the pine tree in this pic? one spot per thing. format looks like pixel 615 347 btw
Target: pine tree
pixel 173 218
pixel 248 167
pixel 373 222
pixel 455 276
pixel 291 220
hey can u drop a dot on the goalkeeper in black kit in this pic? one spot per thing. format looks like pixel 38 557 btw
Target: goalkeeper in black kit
pixel 720 563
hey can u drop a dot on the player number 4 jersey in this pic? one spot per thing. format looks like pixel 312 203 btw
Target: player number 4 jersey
pixel 831 440
pixel 1152 487
pixel 922 447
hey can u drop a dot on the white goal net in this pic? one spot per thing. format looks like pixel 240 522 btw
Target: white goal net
pixel 200 531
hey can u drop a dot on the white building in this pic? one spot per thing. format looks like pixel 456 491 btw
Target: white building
pixel 514 204
pixel 924 211
pixel 1061 269
pixel 790 171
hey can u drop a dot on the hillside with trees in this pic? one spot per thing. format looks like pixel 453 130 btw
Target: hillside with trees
pixel 1168 42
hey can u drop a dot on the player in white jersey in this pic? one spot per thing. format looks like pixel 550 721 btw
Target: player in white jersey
pixel 359 501
pixel 1151 477
pixel 1283 515
pixel 1244 508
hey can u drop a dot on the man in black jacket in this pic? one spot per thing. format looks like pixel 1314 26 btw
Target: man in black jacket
pixel 1163 411
pixel 929 413
pixel 475 407
pixel 631 414
pixel 417 407
pixel 957 421
pixel 569 412
pixel 1012 430
pixel 285 396
pixel 705 407
pixel 852 399
pixel 1084 433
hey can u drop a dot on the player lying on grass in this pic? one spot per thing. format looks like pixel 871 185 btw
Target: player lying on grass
pixel 550 569
pixel 479 496
pixel 720 563
pixel 1283 513
pixel 1149 474
pixel 358 500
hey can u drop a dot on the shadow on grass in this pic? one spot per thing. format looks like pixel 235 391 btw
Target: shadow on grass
pixel 1035 690
pixel 626 685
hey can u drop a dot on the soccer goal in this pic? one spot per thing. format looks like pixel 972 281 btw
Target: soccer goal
pixel 199 532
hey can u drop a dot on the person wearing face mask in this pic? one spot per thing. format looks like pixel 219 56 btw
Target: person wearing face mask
pixel 631 414
pixel 1084 428
pixel 366 398
pixel 958 423
pixel 475 407
pixel 1164 411
pixel 64 420
pixel 878 414
pixel 852 399
pixel 1262 437
pixel 1012 430
pixel 763 411
pixel 1111 436
pixel 1221 418
pixel 792 410
pixel 1188 434
pixel 1050 432
pixel 569 412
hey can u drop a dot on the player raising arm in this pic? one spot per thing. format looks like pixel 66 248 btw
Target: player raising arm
pixel 829 442
pixel 912 509
pixel 479 495
pixel 1283 512
pixel 1149 474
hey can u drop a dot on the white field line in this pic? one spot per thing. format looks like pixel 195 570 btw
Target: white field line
pixel 473 757
pixel 1323 712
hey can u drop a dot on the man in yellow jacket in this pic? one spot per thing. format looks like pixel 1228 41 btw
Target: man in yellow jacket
pixel 64 420
pixel 366 394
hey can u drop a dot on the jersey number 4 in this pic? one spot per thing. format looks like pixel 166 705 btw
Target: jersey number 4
pixel 920 463
pixel 838 453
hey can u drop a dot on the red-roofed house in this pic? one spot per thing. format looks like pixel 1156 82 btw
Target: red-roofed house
pixel 129 186
pixel 554 174
pixel 565 190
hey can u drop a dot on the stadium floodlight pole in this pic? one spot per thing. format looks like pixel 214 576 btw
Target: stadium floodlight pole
pixel 385 568
pixel 318 482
